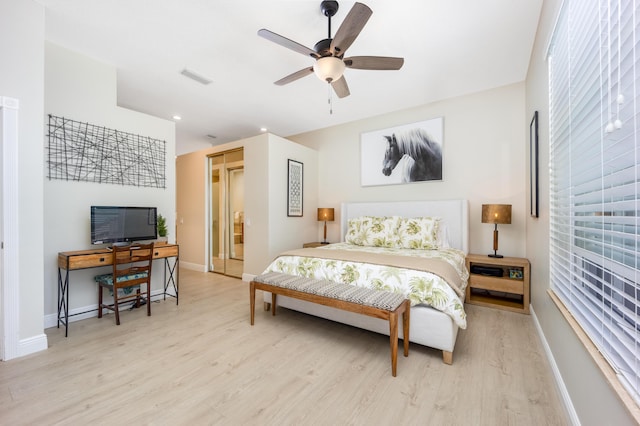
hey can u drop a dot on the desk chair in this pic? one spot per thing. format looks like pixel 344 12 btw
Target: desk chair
pixel 131 269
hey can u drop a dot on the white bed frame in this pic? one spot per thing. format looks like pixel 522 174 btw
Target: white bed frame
pixel 429 327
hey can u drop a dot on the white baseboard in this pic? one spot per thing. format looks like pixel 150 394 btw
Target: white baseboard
pixel 564 393
pixel 85 312
pixel 193 266
pixel 32 345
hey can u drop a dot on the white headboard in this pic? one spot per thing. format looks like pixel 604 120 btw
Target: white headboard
pixel 455 213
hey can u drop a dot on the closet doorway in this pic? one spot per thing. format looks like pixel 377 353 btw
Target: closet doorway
pixel 226 221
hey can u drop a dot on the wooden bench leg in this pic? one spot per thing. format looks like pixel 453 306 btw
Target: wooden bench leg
pixel 393 333
pixel 252 300
pixel 447 357
pixel 273 304
pixel 406 322
pixel 393 336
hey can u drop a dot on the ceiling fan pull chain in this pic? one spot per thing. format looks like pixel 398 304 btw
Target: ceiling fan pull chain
pixel 330 100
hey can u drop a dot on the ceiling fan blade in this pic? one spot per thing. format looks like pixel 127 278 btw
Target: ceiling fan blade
pixel 374 63
pixel 340 87
pixel 285 42
pixel 295 76
pixel 350 28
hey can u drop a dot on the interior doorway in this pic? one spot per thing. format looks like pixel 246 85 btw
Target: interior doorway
pixel 226 221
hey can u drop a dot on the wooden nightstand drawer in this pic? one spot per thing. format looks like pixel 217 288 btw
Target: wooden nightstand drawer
pixel 506 285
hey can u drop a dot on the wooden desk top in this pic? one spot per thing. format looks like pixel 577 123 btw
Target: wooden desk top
pixel 93 258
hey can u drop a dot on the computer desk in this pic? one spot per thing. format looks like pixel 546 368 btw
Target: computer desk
pixel 84 259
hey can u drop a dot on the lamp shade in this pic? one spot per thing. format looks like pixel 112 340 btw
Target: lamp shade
pixel 325 214
pixel 496 213
pixel 329 68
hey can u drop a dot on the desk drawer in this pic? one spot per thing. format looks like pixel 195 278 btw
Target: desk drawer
pixel 86 261
pixel 83 259
pixel 161 251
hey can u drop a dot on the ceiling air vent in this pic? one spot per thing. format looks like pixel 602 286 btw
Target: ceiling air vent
pixel 196 77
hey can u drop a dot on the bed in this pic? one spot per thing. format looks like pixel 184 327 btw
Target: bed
pixel 434 325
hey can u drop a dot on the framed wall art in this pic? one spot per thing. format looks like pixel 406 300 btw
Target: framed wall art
pixel 83 152
pixel 533 165
pixel 295 187
pixel 402 154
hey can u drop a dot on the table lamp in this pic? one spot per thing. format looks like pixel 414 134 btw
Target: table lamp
pixel 496 213
pixel 325 214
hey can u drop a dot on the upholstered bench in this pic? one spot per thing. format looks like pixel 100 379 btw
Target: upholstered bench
pixel 374 303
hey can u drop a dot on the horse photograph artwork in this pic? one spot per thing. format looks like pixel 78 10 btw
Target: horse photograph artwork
pixel 403 154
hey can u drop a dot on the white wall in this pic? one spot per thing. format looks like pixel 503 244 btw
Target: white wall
pixel 592 398
pixel 484 162
pixel 286 233
pixel 82 89
pixel 22 78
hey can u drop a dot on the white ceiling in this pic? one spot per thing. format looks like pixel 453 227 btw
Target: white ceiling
pixel 451 48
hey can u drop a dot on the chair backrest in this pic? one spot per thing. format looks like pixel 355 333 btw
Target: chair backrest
pixel 132 260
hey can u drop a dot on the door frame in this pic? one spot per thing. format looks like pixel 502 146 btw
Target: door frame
pixel 224 219
pixel 9 249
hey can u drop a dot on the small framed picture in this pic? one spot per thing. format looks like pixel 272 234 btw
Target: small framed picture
pixel 515 274
pixel 534 196
pixel 295 188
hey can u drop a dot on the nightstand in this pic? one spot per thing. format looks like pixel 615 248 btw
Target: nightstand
pixel 502 283
pixel 313 245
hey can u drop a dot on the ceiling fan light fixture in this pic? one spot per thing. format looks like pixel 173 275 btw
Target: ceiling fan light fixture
pixel 329 68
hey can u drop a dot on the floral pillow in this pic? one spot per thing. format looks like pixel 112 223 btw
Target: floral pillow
pixel 353 231
pixel 373 231
pixel 419 233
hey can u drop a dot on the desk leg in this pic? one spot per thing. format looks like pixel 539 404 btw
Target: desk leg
pixel 63 300
pixel 172 278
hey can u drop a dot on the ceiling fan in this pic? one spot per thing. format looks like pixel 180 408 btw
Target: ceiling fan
pixel 329 53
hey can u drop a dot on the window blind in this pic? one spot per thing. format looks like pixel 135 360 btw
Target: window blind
pixel 594 76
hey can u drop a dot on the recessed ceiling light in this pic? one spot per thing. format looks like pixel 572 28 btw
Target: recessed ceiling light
pixel 263 129
pixel 195 76
pixel 177 117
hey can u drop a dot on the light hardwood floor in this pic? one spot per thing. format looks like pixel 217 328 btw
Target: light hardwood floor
pixel 202 363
